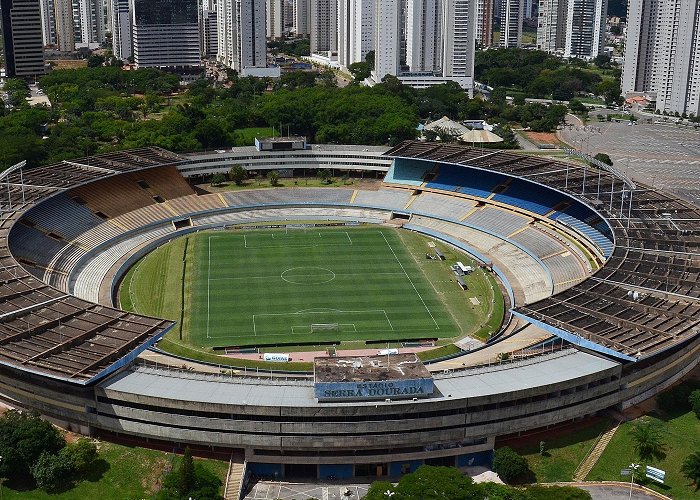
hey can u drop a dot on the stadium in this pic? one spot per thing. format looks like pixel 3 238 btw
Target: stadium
pixel 600 281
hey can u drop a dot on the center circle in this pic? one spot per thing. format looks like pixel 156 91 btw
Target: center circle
pixel 308 275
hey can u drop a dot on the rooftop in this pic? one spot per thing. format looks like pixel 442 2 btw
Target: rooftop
pixel 369 368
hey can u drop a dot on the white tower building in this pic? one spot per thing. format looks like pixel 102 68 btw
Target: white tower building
pixel 640 45
pixel 302 17
pixel 585 28
pixel 355 30
pixel 551 26
pixel 324 25
pixel 676 69
pixel 121 29
pixel 387 30
pixel 424 35
pixel 511 23
pixel 241 34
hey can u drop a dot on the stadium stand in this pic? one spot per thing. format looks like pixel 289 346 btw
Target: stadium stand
pixel 497 220
pixel 122 194
pixel 43 330
pixel 271 196
pixel 61 215
pixel 529 196
pixel 407 172
pixel 538 242
pixel 450 207
pixel 649 241
pixel 196 203
pixel 394 199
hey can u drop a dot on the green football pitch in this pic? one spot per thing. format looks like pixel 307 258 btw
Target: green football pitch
pixel 294 286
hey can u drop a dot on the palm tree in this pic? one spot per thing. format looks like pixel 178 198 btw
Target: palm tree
pixel 691 468
pixel 648 441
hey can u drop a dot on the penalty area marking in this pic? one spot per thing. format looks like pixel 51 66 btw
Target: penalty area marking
pixel 312 312
pixel 302 245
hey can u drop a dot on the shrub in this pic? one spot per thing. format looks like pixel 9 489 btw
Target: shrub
pixel 675 401
pixel 509 465
pixel 50 471
pixel 80 454
pixel 694 400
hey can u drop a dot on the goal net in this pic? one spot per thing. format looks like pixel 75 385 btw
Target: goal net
pixel 324 327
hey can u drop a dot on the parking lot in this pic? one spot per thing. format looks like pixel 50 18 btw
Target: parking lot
pixel 269 490
pixel 665 155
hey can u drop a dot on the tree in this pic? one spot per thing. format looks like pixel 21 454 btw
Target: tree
pixel 437 483
pixel 603 158
pixel 24 436
pixel 218 179
pixel 694 400
pixel 187 478
pixel 509 465
pixel 648 440
pixel 576 106
pixel 202 485
pixel 50 470
pixel 80 455
pixel 691 468
pixel 238 174
pixel 325 175
pixel 274 177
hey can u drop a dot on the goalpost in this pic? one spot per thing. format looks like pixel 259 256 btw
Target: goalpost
pixel 325 327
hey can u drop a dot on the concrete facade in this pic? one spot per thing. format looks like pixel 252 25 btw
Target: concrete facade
pixel 166 34
pixel 22 37
pixel 512 12
pixel 585 28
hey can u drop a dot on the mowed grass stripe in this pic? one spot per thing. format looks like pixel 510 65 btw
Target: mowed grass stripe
pixel 367 270
pixel 366 277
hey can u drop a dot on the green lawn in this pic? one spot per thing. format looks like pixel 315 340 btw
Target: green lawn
pixel 563 452
pixel 682 435
pixel 120 472
pixel 252 287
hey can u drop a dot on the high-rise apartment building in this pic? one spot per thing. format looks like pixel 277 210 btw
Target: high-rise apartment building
pixel 48 22
pixel 676 63
pixel 241 34
pixel 572 28
pixel 210 39
pixel 640 45
pixel 355 30
pixel 90 22
pixel 423 35
pixel 166 33
pixel 121 29
pixel 425 42
pixel 65 25
pixel 512 12
pixel 483 19
pixel 551 26
pixel 585 28
pixel 275 19
pixel 458 41
pixel 324 25
pixel 302 17
pixel 387 43
pixel 22 37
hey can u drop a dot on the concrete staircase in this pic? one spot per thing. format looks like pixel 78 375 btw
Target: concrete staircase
pixel 585 467
pixel 234 477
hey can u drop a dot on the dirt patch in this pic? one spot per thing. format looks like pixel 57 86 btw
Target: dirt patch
pixel 153 482
pixel 542 137
pixel 68 63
